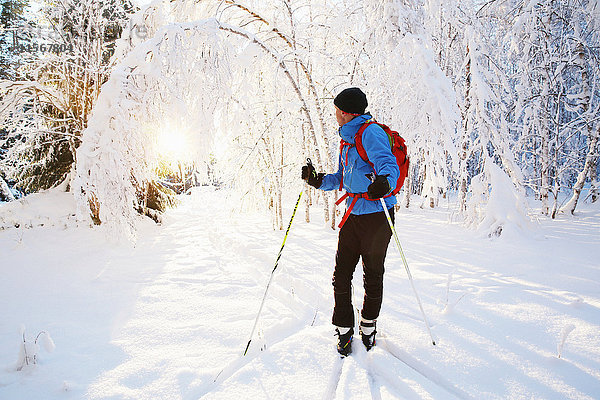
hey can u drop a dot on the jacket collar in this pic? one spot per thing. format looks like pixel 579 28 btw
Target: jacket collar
pixel 350 128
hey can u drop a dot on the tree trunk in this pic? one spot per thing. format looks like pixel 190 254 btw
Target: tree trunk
pixel 546 87
pixel 462 194
pixel 5 193
pixel 595 188
pixel 326 209
pixel 333 209
pixel 279 188
pixel 544 168
pixel 592 138
pixel 555 204
pixel 556 182
pixel 308 202
pixel 279 209
pixel 407 190
pixel 589 165
pixel 307 198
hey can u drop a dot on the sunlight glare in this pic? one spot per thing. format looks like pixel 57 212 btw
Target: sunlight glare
pixel 173 145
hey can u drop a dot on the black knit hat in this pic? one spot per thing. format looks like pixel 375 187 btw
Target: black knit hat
pixel 351 100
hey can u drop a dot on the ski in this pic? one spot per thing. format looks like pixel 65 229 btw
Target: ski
pixel 420 368
pixel 334 379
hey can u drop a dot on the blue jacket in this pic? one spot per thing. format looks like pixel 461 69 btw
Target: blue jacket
pixel 353 168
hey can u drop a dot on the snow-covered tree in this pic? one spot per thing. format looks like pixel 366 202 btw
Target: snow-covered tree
pixel 486 150
pixel 553 82
pixel 583 98
pixel 389 53
pixel 14 36
pixel 45 107
pixel 263 51
pixel 252 82
pixel 5 192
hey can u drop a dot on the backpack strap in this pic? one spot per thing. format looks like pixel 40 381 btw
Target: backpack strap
pixel 343 144
pixel 363 154
pixel 355 197
pixel 359 147
pixel 359 142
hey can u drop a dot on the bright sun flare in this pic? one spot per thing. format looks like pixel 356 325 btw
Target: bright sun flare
pixel 173 145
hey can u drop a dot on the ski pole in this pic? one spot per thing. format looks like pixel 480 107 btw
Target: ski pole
pixel 272 272
pixel 389 219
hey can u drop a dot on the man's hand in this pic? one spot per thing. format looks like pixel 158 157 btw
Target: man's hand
pixel 379 188
pixel 313 178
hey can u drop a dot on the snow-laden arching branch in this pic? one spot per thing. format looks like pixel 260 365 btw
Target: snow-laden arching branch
pixel 159 79
pixel 249 26
pixel 236 18
pixel 170 82
pixel 277 58
pixel 413 94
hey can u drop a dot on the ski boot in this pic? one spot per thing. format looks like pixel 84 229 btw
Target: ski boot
pixel 344 345
pixel 367 332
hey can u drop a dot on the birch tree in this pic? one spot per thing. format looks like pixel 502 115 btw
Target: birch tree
pixel 251 83
pixel 410 92
pixel 583 99
pixel 553 101
pixel 487 162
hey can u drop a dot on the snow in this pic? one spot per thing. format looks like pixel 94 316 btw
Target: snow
pixel 169 316
pixel 53 207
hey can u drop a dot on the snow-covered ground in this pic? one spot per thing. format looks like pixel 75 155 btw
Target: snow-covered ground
pixel 169 318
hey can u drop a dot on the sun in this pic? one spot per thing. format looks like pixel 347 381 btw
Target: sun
pixel 173 145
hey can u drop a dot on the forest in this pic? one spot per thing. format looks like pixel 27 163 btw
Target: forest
pixel 150 161
pixel 128 104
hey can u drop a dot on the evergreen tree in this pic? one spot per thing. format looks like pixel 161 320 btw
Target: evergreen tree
pixel 14 35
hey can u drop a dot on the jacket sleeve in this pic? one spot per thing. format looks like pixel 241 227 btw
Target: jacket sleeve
pixel 332 181
pixel 377 145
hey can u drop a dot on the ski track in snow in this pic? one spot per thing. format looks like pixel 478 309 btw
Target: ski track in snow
pixel 170 317
pixel 334 379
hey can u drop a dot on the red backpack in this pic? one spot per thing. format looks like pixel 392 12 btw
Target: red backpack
pixel 398 147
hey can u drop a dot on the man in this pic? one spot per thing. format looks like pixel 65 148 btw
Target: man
pixel 365 231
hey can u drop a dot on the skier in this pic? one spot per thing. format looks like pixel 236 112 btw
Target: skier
pixel 366 232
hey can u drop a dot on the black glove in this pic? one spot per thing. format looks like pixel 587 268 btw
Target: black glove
pixel 379 188
pixel 310 175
